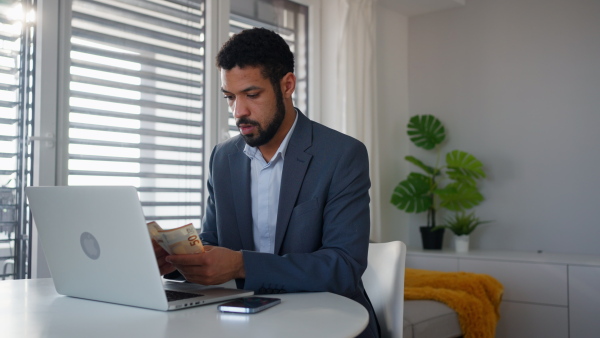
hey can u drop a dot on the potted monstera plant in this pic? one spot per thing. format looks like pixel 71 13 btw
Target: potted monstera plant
pixel 450 185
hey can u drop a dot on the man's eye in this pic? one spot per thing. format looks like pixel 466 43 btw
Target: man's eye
pixel 228 97
pixel 252 96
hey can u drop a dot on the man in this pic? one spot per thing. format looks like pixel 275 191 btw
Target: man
pixel 288 205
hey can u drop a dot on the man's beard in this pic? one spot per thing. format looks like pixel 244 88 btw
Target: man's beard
pixel 263 136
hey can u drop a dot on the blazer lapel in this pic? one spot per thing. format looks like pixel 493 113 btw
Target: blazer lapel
pixel 239 166
pixel 294 168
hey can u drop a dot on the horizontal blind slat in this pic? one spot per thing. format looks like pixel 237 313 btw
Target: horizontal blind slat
pixel 137 117
pixel 195 4
pixel 140 131
pixel 3 19
pixel 132 29
pixel 9 37
pixel 8 121
pixel 167 190
pixel 140 160
pixel 134 102
pixel 139 88
pixel 8 70
pixel 7 138
pixel 140 17
pixel 169 204
pixel 144 146
pixel 138 174
pixel 144 75
pixel 8 87
pixel 129 44
pixel 235 18
pixel 7 104
pixel 180 14
pixel 11 54
pixel 131 58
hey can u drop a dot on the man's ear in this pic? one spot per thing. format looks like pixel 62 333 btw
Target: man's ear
pixel 288 85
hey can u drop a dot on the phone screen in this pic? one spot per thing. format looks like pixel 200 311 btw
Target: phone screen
pixel 249 304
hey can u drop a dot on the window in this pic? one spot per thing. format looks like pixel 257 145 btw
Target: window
pixel 136 112
pixel 290 20
pixel 16 67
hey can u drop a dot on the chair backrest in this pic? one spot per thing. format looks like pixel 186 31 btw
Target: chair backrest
pixel 384 283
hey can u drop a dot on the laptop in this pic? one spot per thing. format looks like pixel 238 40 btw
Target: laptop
pixel 98 247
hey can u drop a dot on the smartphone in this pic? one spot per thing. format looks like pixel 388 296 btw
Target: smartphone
pixel 251 304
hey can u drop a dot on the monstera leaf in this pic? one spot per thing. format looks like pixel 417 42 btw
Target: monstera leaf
pixel 426 131
pixel 458 196
pixel 420 164
pixel 464 167
pixel 413 194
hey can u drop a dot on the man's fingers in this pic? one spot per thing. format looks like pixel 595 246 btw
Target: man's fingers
pixel 185 259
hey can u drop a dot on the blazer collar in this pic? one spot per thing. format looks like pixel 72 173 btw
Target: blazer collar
pixel 239 168
pixel 295 166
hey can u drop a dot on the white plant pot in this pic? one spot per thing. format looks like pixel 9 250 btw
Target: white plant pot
pixel 461 243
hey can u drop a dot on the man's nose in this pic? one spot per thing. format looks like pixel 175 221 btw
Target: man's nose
pixel 239 109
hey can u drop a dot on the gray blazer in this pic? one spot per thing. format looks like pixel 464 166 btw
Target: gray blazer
pixel 322 230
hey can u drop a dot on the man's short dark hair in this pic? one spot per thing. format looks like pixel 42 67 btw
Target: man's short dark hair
pixel 258 47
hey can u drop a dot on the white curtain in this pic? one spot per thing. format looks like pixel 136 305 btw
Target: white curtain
pixel 356 89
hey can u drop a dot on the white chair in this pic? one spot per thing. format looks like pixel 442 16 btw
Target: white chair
pixel 8 262
pixel 384 283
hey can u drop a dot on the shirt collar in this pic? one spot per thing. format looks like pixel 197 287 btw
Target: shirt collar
pixel 251 152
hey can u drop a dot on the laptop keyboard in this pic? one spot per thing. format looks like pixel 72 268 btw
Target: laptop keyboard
pixel 178 295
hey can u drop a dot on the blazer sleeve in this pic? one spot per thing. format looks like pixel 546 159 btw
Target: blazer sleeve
pixel 209 234
pixel 327 237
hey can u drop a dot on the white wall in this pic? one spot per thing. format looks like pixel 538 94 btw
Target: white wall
pixel 517 84
pixel 331 26
pixel 392 101
pixel 392 106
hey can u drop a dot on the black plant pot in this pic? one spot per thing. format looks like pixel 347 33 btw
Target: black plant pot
pixel 432 240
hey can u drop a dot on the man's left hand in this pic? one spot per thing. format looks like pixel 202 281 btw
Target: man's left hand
pixel 216 265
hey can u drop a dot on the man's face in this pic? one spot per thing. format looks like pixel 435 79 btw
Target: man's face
pixel 257 107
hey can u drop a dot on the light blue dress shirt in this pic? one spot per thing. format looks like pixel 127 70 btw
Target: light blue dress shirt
pixel 265 184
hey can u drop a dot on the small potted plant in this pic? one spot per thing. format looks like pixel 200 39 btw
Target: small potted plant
pixel 425 192
pixel 462 225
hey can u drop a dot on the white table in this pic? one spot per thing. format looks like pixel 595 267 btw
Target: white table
pixel 32 308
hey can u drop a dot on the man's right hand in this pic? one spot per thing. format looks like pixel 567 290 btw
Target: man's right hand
pixel 163 266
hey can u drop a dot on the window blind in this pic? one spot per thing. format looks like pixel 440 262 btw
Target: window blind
pixel 287 18
pixel 16 67
pixel 136 102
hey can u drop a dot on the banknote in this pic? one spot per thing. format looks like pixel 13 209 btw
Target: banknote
pixel 153 229
pixel 182 240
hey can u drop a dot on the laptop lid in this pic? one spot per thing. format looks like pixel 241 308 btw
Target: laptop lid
pixel 98 247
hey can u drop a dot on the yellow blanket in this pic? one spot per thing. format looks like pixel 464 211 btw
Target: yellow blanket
pixel 475 297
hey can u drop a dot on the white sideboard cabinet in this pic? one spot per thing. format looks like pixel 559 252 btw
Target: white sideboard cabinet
pixel 545 294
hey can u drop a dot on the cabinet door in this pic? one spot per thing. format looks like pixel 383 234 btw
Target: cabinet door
pixel 432 263
pixel 525 282
pixel 522 320
pixel 584 301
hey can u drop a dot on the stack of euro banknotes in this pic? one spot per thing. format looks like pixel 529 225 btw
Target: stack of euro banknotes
pixel 177 241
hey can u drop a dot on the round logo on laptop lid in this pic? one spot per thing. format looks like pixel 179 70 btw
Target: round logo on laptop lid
pixel 90 245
